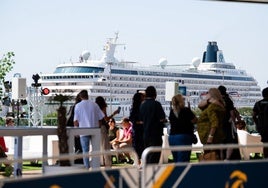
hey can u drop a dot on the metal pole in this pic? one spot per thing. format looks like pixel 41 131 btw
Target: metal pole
pixel 110 87
pixel 222 77
pixel 18 112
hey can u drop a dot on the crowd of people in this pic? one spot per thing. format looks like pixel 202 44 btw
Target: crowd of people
pixel 216 124
pixel 142 128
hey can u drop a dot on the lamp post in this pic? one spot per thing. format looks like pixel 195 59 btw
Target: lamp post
pixel 36 103
pixel 222 77
pixel 110 79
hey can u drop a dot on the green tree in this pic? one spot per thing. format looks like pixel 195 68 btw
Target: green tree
pixel 6 65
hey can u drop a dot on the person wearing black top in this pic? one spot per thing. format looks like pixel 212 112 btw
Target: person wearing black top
pixel 260 117
pixel 153 118
pixel 182 121
pixel 229 127
pixel 70 123
pixel 137 127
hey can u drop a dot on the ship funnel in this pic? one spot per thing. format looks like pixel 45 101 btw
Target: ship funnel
pixel 211 54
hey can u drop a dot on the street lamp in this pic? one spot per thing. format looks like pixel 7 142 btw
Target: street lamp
pixel 222 77
pixel 110 78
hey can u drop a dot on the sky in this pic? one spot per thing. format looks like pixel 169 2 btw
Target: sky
pixel 43 34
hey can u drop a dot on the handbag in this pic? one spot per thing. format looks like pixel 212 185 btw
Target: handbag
pixel 209 156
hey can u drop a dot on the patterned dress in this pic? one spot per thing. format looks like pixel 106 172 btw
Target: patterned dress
pixel 212 116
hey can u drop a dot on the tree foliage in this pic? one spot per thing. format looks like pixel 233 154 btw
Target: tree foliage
pixel 6 65
pixel 61 98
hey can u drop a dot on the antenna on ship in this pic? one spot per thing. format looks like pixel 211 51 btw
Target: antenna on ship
pixel 109 59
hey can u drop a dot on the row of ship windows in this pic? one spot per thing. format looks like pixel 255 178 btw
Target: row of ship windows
pixel 70 77
pixel 148 73
pixel 142 86
pixel 195 89
pixel 78 69
pixel 170 74
pixel 185 81
pixel 192 82
pixel 160 92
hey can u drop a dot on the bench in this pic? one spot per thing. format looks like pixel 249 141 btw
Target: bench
pixel 245 138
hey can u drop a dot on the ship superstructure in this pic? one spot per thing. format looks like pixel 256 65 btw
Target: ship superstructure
pixel 117 81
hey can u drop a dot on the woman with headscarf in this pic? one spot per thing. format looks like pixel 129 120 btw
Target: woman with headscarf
pixel 210 121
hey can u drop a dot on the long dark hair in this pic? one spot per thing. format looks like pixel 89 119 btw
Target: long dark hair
pixel 137 100
pixel 101 102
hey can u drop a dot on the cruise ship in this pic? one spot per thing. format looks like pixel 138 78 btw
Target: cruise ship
pixel 117 81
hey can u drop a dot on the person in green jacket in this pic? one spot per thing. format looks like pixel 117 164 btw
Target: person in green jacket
pixel 210 122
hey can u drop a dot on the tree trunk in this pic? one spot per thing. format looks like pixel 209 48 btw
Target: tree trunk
pixel 62 135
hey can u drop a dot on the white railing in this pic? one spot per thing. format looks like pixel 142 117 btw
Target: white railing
pixel 19 132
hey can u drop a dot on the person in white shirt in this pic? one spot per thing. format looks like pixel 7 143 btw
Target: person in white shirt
pixel 87 114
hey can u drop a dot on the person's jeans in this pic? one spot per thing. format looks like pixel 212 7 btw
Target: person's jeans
pixel 85 147
pixel 180 140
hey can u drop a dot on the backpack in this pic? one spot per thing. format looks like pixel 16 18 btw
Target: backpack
pixel 263 113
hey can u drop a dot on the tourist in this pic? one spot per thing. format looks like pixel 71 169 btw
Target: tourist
pixel 153 118
pixel 210 121
pixel 3 148
pixel 229 127
pixel 260 117
pixel 113 135
pixel 87 114
pixel 125 141
pixel 113 132
pixel 10 122
pixel 182 121
pixel 106 160
pixel 70 123
pixel 137 126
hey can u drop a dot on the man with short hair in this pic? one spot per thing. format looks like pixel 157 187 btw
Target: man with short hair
pixel 87 114
pixel 260 117
pixel 153 117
